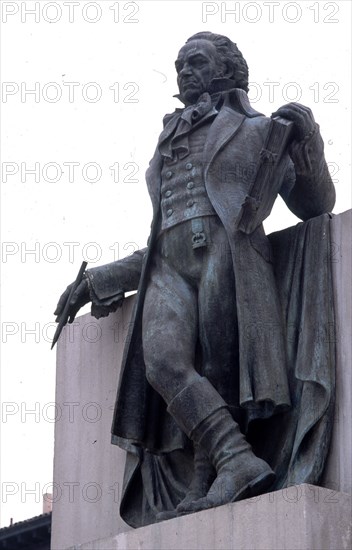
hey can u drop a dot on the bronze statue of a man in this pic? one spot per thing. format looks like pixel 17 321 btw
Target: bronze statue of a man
pixel 194 376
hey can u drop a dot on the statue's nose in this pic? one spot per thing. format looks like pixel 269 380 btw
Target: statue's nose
pixel 186 70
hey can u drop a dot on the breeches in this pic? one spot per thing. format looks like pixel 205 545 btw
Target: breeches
pixel 189 317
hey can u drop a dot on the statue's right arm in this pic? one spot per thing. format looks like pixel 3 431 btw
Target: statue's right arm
pixel 122 275
pixel 104 286
pixel 108 283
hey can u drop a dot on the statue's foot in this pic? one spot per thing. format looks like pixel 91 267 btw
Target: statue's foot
pixel 228 488
pixel 195 494
pixel 192 496
pixel 203 478
pixel 184 507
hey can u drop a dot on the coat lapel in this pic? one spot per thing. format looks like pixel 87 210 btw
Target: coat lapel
pixel 224 127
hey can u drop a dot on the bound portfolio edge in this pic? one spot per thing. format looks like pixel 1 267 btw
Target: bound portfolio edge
pixel 269 175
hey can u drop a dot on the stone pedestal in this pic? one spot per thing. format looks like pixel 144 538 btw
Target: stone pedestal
pixel 299 518
pixel 338 471
pixel 88 470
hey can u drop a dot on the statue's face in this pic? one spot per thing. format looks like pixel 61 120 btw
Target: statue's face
pixel 197 64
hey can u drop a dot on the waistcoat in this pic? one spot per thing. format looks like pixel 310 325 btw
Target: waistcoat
pixel 183 193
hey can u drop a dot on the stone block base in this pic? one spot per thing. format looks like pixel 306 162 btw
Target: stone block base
pixel 298 518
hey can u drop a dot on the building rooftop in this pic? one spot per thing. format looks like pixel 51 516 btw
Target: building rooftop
pixel 30 534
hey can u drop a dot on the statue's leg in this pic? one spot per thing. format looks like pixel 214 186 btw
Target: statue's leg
pixel 169 330
pixel 240 473
pixel 218 339
pixel 170 334
pixel 218 324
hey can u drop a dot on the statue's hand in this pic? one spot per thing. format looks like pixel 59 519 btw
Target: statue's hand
pixel 79 298
pixel 301 116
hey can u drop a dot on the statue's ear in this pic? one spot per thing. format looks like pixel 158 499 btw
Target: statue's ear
pixel 222 70
pixel 227 71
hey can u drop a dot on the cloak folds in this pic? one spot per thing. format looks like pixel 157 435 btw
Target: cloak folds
pixel 293 440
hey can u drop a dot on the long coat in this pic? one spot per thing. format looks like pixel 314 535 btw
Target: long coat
pixel 231 152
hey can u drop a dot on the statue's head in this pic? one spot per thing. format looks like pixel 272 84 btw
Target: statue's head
pixel 206 56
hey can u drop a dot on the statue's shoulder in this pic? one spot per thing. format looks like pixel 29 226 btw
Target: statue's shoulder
pixel 237 99
pixel 256 122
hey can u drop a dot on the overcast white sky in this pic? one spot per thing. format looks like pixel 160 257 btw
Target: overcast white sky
pixel 104 77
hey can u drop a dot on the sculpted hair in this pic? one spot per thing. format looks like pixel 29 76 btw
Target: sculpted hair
pixel 230 55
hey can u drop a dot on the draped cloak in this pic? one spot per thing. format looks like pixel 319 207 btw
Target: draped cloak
pixel 285 325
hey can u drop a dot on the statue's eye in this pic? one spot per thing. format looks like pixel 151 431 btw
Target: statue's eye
pixel 198 61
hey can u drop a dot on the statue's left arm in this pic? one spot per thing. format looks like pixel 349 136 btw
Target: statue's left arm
pixel 307 188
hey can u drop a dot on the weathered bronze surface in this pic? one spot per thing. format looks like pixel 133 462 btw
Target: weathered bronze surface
pixel 227 380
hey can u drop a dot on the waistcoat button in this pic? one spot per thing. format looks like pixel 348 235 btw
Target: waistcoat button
pixel 168 193
pixel 169 212
pixel 168 174
pixel 190 203
pixel 189 166
pixel 190 185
